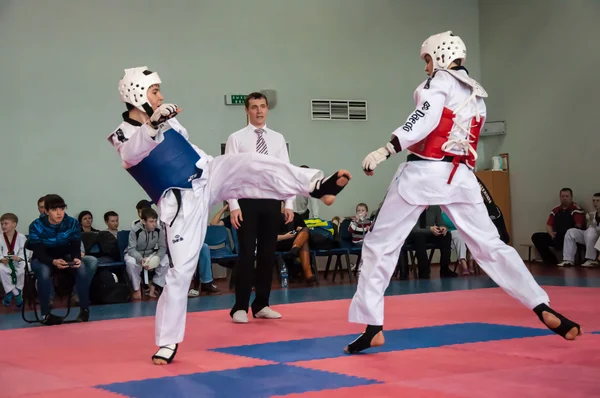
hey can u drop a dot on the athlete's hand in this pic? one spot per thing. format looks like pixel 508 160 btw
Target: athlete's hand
pixel 163 113
pixel 374 158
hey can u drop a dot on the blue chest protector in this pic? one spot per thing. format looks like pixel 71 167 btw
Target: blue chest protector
pixel 172 164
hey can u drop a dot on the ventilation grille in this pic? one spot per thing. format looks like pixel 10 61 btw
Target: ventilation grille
pixel 338 110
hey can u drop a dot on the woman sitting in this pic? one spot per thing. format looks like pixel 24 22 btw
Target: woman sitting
pixel 293 238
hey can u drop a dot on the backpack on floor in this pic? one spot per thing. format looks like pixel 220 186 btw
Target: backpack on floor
pixel 108 288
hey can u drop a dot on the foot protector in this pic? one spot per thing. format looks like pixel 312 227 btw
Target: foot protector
pixel 329 186
pixel 565 324
pixel 364 340
pixel 166 353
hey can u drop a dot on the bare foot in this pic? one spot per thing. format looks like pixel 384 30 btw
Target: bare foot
pixel 553 322
pixel 159 361
pixel 377 341
pixel 137 295
pixel 340 182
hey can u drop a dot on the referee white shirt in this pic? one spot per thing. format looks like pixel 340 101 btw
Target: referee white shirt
pixel 244 140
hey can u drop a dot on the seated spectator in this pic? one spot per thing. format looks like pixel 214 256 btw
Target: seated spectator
pixel 141 205
pixel 86 220
pixel 588 238
pixel 107 239
pixel 204 275
pixel 459 246
pixel 40 206
pixel 306 207
pixel 431 229
pixel 562 218
pixel 55 241
pixel 360 224
pixel 12 260
pixel 219 219
pixel 147 240
pixel 293 237
pixel 111 219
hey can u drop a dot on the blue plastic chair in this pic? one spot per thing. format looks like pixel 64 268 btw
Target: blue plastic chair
pixel 221 251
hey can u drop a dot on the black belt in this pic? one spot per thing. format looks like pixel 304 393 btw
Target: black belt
pixel 412 158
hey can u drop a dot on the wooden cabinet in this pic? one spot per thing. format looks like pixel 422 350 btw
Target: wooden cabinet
pixel 498 184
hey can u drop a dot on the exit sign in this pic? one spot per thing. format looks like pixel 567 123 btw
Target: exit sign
pixel 235 99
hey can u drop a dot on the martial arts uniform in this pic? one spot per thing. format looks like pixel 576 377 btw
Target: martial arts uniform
pixel 441 136
pixel 185 182
pixel 13 273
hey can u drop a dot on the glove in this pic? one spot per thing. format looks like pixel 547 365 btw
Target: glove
pixel 378 156
pixel 162 114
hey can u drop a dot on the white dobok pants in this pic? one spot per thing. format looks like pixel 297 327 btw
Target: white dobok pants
pixel 134 271
pixel 234 176
pixel 5 276
pixel 415 186
pixel 575 236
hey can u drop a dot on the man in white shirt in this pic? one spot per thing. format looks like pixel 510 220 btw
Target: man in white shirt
pixel 257 220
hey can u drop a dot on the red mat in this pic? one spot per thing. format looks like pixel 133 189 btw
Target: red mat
pixel 67 360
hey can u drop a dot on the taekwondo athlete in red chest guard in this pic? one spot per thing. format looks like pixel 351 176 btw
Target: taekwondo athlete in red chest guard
pixel 185 182
pixel 441 138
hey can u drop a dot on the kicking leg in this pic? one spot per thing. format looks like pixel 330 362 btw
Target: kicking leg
pixel 503 264
pixel 380 251
pixel 256 176
pixel 184 238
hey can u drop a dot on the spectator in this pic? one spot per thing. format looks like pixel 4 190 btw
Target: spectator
pixel 147 240
pixel 204 275
pixel 293 237
pixel 218 218
pixel 360 224
pixel 588 238
pixel 107 239
pixel 459 246
pixel 40 206
pixel 12 260
pixel 431 229
pixel 86 219
pixel 55 241
pixel 111 219
pixel 141 205
pixel 562 218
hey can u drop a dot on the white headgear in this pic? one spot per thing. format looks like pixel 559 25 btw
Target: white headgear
pixel 153 261
pixel 444 48
pixel 133 87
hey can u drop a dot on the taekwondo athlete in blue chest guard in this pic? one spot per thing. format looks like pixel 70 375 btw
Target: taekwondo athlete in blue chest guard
pixel 185 182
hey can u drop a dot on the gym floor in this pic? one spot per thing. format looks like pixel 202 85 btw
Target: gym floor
pixel 460 337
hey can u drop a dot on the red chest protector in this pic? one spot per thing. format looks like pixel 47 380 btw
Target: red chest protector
pixel 430 147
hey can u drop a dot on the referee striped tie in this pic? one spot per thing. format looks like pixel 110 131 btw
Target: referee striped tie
pixel 261 145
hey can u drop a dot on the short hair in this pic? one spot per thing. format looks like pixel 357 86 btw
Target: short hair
pixel 255 95
pixel 305 166
pixel 10 217
pixel 143 204
pixel 41 200
pixel 110 214
pixel 597 194
pixel 362 204
pixel 83 214
pixel 569 190
pixel 53 201
pixel 149 213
